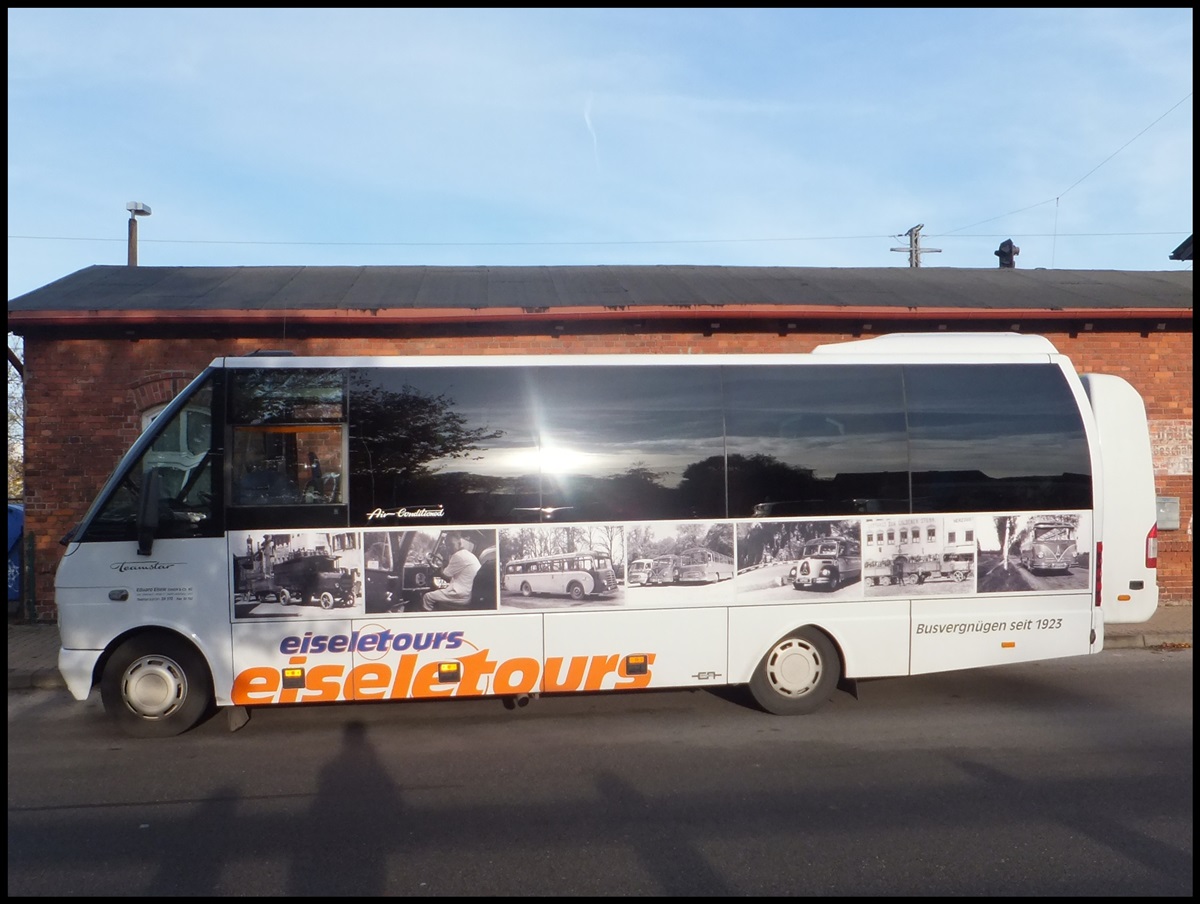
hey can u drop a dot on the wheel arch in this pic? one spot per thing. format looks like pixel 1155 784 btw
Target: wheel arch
pixel 870 638
pixel 796 626
pixel 820 629
pixel 149 631
pixel 796 675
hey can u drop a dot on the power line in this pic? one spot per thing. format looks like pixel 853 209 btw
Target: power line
pixel 1056 198
pixel 1125 145
pixel 809 238
pixel 914 249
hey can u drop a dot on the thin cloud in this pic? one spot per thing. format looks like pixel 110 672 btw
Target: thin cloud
pixel 587 120
pixel 451 126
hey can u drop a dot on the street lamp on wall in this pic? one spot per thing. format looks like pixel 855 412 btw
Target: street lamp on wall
pixel 136 209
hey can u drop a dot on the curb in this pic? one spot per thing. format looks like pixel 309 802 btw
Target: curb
pixel 1147 641
pixel 37 679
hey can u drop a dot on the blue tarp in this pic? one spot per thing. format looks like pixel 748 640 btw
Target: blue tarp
pixel 16 528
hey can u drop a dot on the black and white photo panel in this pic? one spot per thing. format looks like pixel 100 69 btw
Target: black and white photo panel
pixel 799 561
pixel 562 566
pixel 296 574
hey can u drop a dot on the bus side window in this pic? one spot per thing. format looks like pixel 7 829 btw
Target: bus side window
pixel 975 449
pixel 817 440
pixel 287 438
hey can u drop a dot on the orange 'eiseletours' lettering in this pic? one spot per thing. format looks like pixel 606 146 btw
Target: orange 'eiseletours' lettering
pixel 409 677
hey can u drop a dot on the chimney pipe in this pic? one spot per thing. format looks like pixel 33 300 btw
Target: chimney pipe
pixel 136 209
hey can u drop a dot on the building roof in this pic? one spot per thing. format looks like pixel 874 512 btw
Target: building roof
pixel 121 294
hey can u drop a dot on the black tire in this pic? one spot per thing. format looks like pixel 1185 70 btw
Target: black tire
pixel 156 686
pixel 797 675
pixel 526 590
pixel 575 589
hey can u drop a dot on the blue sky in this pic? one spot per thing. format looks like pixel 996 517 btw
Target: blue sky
pixel 551 137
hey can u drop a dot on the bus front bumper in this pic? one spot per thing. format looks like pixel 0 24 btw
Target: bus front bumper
pixel 77 667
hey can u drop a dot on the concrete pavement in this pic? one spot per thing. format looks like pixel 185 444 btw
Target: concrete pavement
pixel 33 649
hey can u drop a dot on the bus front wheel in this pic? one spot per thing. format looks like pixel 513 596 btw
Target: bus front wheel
pixel 576 590
pixel 526 590
pixel 797 675
pixel 156 686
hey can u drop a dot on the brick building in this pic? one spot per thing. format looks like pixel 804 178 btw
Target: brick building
pixel 104 347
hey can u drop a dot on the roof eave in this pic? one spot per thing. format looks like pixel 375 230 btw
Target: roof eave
pixel 447 316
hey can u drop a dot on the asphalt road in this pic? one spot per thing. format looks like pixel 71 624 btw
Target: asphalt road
pixel 1053 779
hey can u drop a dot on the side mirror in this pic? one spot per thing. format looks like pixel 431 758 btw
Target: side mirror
pixel 147 517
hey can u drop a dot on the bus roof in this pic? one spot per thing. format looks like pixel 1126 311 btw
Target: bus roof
pixel 559 555
pixel 942 343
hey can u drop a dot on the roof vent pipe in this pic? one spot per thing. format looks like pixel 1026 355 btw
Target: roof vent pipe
pixel 136 209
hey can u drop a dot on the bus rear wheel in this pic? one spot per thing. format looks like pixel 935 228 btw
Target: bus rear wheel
pixel 156 686
pixel 797 675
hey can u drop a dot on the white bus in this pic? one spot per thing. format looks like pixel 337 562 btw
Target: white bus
pixel 442 463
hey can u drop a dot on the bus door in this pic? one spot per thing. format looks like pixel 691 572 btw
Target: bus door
pixel 294 596
pixel 151 551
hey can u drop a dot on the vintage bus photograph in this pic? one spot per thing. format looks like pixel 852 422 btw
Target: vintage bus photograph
pixel 559 567
pixel 690 561
pixel 703 565
pixel 665 569
pixel 778 558
pixel 1023 553
pixel 637 573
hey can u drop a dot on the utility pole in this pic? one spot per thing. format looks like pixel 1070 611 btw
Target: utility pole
pixel 914 248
